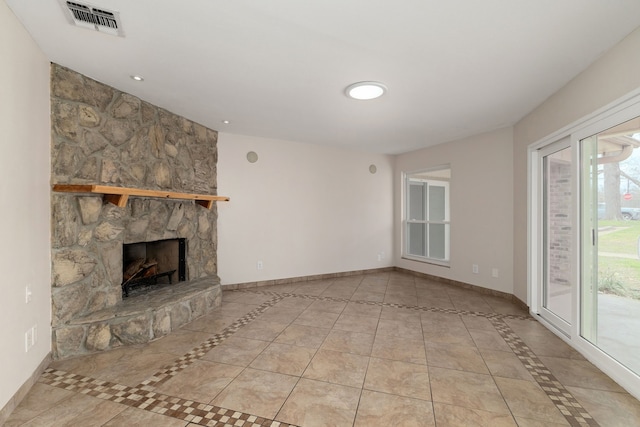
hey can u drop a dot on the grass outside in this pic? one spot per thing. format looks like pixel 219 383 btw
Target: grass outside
pixel 619 276
pixel 624 240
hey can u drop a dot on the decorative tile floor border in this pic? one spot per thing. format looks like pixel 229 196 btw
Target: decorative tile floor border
pixel 392 305
pixel 184 361
pixel 561 397
pixel 175 407
pixel 143 396
pixel 575 414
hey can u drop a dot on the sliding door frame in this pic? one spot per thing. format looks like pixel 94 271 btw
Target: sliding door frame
pixel 613 114
pixel 563 325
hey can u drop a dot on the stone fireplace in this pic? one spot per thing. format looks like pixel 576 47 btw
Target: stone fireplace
pixel 103 136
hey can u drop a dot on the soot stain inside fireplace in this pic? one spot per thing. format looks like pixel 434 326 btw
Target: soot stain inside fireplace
pixel 146 265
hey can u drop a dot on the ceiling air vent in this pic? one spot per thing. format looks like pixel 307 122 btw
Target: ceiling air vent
pixel 92 17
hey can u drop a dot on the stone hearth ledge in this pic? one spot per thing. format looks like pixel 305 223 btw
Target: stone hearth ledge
pixel 138 319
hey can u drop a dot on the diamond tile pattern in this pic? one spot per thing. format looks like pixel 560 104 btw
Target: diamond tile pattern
pixel 330 360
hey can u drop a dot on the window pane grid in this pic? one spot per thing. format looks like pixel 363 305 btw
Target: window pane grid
pixel 427 225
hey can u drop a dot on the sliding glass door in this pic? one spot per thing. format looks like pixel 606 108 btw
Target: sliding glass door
pixel 584 237
pixel 610 292
pixel 558 285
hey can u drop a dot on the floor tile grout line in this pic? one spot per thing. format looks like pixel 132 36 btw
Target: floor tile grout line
pixel 566 403
pixel 159 403
pixel 198 352
pixel 429 375
pixel 300 377
pixel 575 414
pixel 195 354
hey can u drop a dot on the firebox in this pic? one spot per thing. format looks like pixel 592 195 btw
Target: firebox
pixel 146 264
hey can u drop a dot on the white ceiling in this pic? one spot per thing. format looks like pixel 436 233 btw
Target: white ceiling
pixel 278 68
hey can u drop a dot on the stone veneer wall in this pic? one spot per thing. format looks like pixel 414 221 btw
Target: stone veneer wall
pixel 103 136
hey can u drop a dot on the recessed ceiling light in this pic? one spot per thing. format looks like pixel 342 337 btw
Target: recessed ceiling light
pixel 365 90
pixel 137 78
pixel 226 122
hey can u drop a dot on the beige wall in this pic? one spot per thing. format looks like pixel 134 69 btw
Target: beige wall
pixel 302 210
pixel 481 207
pixel 24 217
pixel 611 77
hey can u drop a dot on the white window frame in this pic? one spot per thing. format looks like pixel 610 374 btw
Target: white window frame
pixel 624 109
pixel 408 178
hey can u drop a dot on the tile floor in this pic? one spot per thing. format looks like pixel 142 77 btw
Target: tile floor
pixel 371 350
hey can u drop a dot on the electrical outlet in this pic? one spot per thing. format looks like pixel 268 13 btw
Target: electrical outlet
pixel 259 265
pixel 494 272
pixel 28 340
pixel 28 295
pixel 475 268
pixel 379 257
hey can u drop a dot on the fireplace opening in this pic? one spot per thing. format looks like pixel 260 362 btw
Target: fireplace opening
pixel 147 264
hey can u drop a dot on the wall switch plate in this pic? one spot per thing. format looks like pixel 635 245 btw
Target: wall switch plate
pixel 475 268
pixel 28 295
pixel 259 265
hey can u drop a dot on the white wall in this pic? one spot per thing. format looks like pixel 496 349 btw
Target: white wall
pixel 614 75
pixel 481 207
pixel 25 216
pixel 301 209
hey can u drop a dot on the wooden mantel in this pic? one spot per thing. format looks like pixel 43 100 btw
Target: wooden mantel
pixel 120 195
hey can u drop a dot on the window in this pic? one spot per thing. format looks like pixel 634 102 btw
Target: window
pixel 427 224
